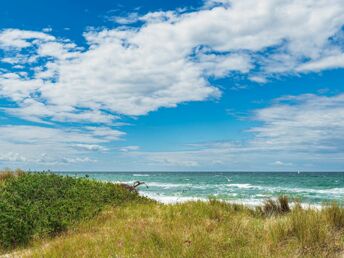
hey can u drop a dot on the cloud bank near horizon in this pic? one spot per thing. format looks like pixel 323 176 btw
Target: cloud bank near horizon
pixel 295 131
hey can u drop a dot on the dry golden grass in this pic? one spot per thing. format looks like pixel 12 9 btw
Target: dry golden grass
pixel 200 229
pixel 7 173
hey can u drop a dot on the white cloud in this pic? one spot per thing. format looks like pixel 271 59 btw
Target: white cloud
pixel 129 148
pixel 306 123
pixel 48 29
pixel 221 66
pixel 36 144
pixel 34 134
pixel 60 50
pixel 128 19
pixel 162 16
pixel 258 79
pixel 168 59
pixel 78 160
pixel 328 62
pixel 296 132
pixel 105 133
pixel 33 110
pixel 15 38
pixel 12 157
pixel 281 163
pixel 90 147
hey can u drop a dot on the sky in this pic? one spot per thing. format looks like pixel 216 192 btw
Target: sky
pixel 143 85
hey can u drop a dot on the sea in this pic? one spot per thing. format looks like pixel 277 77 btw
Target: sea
pixel 250 188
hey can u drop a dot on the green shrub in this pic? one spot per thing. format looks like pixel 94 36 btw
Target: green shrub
pixel 39 204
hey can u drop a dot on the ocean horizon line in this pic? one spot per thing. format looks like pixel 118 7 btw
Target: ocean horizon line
pixel 171 171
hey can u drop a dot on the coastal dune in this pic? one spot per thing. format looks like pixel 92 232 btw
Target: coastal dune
pixel 116 222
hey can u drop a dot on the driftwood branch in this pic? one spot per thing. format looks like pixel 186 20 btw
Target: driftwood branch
pixel 132 188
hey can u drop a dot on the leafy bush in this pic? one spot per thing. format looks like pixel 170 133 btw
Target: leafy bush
pixel 40 204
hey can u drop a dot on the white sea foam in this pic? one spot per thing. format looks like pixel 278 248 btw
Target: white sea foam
pixel 330 191
pixel 228 179
pixel 141 175
pixel 243 186
pixel 334 191
pixel 169 185
pixel 254 194
pixel 249 202
pixel 185 186
pixel 172 199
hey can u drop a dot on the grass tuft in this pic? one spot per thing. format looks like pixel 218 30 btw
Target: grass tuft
pixel 274 207
pixel 8 173
pixel 335 216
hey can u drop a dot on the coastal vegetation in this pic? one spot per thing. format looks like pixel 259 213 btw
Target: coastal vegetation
pixel 46 215
pixel 41 204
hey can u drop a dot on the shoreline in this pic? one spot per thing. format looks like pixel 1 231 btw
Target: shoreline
pixel 251 203
pixel 248 202
pixel 170 200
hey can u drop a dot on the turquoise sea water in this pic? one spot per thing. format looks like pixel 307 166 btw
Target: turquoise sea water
pixel 243 187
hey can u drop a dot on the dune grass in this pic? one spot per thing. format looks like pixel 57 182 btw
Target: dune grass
pixel 8 173
pixel 200 229
pixel 137 227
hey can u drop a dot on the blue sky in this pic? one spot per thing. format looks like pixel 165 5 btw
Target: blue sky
pixel 214 85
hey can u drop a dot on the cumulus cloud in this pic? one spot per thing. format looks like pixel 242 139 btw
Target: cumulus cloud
pixel 18 39
pixel 332 61
pixel 168 59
